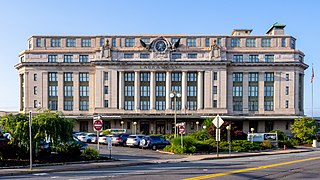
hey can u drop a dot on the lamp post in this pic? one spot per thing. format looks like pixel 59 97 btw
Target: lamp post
pixel 122 124
pixel 229 138
pixel 197 125
pixel 135 127
pixel 252 130
pixel 204 127
pixel 30 138
pixel 174 95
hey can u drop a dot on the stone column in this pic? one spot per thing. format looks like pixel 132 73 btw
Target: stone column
pixel 245 85
pixel 168 90
pixel 137 90
pixel 44 89
pixel 208 86
pixel 261 93
pixel 121 90
pixel 184 90
pixel 152 89
pixel 76 91
pixel 200 90
pixel 278 104
pixel 60 91
pixel 27 93
pixel 92 92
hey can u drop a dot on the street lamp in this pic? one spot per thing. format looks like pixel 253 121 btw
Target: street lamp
pixel 204 127
pixel 174 95
pixel 135 127
pixel 197 125
pixel 252 130
pixel 229 138
pixel 122 124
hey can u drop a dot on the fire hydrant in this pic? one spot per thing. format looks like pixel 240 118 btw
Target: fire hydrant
pixel 284 147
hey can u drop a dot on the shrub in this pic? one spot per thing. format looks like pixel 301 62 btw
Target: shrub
pixel 69 149
pixel 200 135
pixel 90 153
pixel 266 144
pixel 281 135
pixel 105 132
pixel 169 136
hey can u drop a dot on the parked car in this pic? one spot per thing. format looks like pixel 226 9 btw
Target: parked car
pixel 104 138
pixel 153 142
pixel 119 139
pixel 77 141
pixel 88 138
pixel 134 140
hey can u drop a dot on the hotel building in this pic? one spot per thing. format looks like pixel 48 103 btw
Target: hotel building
pixel 251 81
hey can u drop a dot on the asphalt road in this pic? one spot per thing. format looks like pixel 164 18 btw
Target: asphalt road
pixel 284 167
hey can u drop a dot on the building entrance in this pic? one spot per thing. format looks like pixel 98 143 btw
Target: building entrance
pixel 144 127
pixel 160 127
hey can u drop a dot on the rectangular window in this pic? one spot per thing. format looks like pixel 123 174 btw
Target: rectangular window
pixel 101 42
pixel 71 42
pixel 38 43
pixel 144 55
pixel 55 42
pixel 191 42
pixel 287 90
pixel 283 42
pixel 269 58
pixel 68 91
pixel 35 104
pixel 268 91
pixel 235 42
pixel 129 42
pixel 219 41
pixel 106 103
pixel 84 58
pixel 35 77
pixel 207 42
pixel 176 55
pixel 287 103
pixel 253 91
pixel 253 58
pixel 128 105
pixel 84 77
pixel 160 77
pixel 160 91
pixel 251 42
pixel 192 55
pixel 287 77
pixel 269 76
pixel 67 58
pixel 176 88
pixel 35 90
pixel 68 105
pixel 114 42
pixel 253 105
pixel 53 105
pixel 86 42
pixel 268 105
pixel 106 76
pixel 215 103
pixel 68 77
pixel 253 77
pixel 128 55
pixel 192 77
pixel 144 105
pixel 129 91
pixel 84 105
pixel 237 91
pixel 215 89
pixel 192 105
pixel 84 91
pixel 176 76
pixel 174 40
pixel 106 90
pixel 237 77
pixel 266 42
pixel 160 105
pixel 53 91
pixel 237 58
pixel 237 105
pixel 215 75
pixel 145 76
pixel 129 76
pixel 192 91
pixel 144 91
pixel 292 43
pixel 52 58
pixel 53 76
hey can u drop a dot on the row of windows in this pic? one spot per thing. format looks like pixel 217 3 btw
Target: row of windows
pixel 254 77
pixel 253 58
pixel 265 42
pixel 70 42
pixel 68 77
pixel 68 58
pixel 68 105
pixel 147 56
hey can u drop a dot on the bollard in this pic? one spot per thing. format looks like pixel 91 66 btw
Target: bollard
pixel 284 147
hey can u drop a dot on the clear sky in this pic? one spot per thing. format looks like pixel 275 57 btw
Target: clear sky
pixel 20 19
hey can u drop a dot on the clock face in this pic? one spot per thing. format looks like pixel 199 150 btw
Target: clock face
pixel 160 46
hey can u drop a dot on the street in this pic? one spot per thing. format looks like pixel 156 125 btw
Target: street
pixel 285 166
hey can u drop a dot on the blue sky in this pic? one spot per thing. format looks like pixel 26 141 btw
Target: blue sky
pixel 21 19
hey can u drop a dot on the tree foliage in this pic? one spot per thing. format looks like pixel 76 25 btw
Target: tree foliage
pixel 304 129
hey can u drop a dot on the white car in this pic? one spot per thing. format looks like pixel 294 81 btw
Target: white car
pixel 88 138
pixel 134 140
pixel 103 139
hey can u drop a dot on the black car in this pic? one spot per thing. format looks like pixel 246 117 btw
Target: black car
pixel 153 142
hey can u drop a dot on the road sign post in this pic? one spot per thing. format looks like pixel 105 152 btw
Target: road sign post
pixel 218 122
pixel 182 131
pixel 109 146
pixel 97 126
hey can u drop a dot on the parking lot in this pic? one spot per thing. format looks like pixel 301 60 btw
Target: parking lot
pixel 127 153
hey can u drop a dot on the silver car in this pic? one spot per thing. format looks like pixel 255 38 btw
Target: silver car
pixel 134 140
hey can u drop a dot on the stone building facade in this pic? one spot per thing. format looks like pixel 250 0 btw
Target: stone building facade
pixel 249 80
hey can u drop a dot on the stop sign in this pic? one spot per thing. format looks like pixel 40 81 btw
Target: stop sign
pixel 181 129
pixel 97 125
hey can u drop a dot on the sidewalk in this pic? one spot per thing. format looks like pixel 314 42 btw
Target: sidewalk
pixel 109 164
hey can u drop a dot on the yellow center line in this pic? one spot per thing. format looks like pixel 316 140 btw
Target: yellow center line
pixel 250 169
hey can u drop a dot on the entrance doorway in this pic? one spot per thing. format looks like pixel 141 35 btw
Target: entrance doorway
pixel 160 127
pixel 144 127
pixel 83 126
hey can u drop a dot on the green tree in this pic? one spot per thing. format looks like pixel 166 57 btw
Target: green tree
pixel 304 129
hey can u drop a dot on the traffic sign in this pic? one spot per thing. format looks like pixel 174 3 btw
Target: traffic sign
pixel 97 125
pixel 218 121
pixel 109 144
pixel 181 129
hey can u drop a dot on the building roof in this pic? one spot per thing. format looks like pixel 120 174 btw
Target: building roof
pixel 276 25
